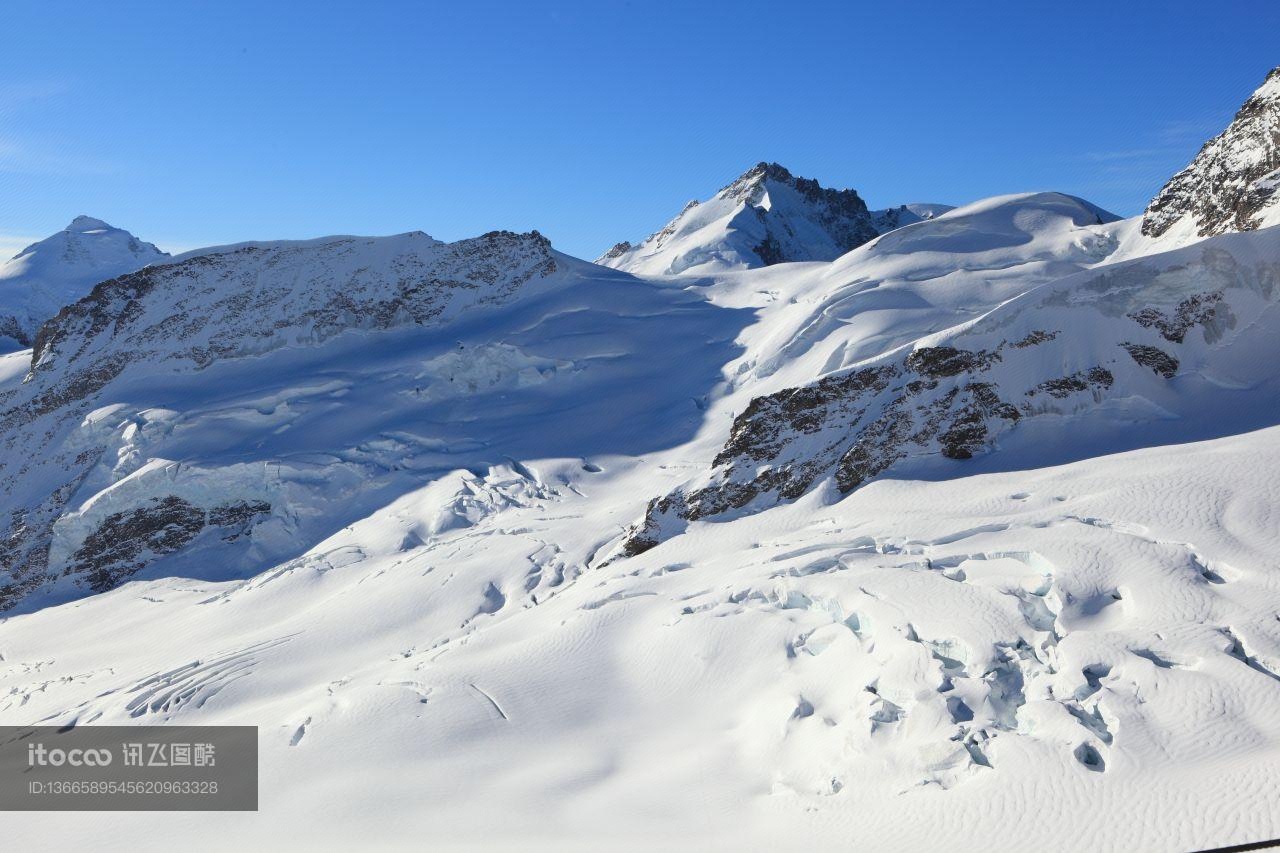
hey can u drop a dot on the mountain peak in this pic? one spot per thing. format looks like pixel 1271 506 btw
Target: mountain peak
pixel 809 188
pixel 62 268
pixel 1231 185
pixel 765 216
pixel 82 224
pixel 761 170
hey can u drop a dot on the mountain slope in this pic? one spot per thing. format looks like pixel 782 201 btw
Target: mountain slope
pixel 1231 184
pixel 58 270
pixel 923 278
pixel 390 539
pixel 1148 351
pixel 229 409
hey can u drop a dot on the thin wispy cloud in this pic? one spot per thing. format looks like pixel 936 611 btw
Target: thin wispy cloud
pixel 1189 132
pixel 16 94
pixel 48 157
pixel 22 152
pixel 12 244
pixel 1128 155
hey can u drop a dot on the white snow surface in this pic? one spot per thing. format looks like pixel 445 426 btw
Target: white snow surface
pixel 441 645
pixel 39 280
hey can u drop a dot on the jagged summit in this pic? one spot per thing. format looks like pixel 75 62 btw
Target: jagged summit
pixel 1231 184
pixel 60 269
pixel 765 216
pixel 752 183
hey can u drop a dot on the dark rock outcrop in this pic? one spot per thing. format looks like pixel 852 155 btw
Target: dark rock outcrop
pixel 1098 378
pixel 1157 359
pixel 617 250
pixel 1196 310
pixel 852 426
pixel 125 542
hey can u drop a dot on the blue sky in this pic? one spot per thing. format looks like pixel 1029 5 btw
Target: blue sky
pixel 192 124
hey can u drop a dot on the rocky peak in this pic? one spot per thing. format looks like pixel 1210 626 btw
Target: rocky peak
pixel 765 216
pixel 1231 184
pixel 751 185
pixel 617 250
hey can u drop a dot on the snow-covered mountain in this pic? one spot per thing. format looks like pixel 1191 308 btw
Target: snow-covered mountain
pixel 58 270
pixel 965 532
pixel 1232 183
pixel 766 216
pixel 88 507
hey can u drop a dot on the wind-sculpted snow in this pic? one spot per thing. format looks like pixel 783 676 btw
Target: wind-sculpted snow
pixel 57 271
pixel 920 279
pixel 1231 184
pixel 1143 351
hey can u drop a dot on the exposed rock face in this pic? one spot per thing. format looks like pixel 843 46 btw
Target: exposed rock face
pixel 251 299
pixel 1231 184
pixel 126 541
pixel 764 217
pixel 1196 310
pixel 841 214
pixel 616 251
pixel 1098 378
pixel 852 426
pixel 1153 357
